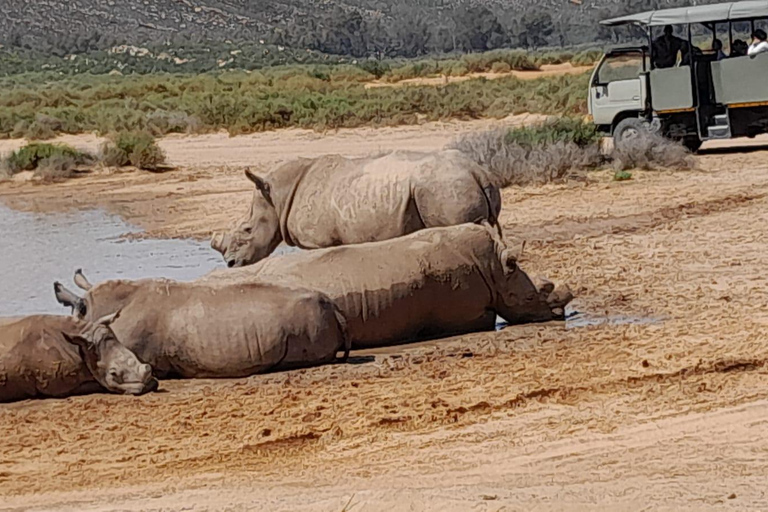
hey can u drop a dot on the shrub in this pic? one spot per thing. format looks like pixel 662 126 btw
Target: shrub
pixel 650 151
pixel 586 58
pixel 32 155
pixel 512 163
pixel 501 67
pixel 161 123
pixel 56 168
pixel 134 148
pixel 375 67
pixel 44 127
pixel 564 129
pixel 288 97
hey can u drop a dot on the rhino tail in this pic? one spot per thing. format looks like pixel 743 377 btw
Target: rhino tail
pixel 343 328
pixel 493 197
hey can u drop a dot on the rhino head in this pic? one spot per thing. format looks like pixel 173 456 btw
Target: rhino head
pixel 523 300
pixel 257 235
pixel 112 364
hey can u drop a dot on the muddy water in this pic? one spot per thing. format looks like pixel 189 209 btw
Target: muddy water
pixel 39 249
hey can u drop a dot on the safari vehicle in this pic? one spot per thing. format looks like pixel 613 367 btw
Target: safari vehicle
pixel 699 98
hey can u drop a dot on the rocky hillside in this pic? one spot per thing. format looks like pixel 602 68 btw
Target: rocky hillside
pixel 355 27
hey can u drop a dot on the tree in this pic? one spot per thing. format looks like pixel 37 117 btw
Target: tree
pixel 536 29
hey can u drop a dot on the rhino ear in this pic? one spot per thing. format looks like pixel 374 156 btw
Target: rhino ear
pixel 261 184
pixel 81 281
pixel 66 297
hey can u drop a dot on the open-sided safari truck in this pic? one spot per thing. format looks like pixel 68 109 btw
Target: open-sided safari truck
pixel 703 95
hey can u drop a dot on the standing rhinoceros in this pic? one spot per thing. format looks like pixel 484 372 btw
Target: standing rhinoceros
pixel 199 331
pixel 58 356
pixel 332 200
pixel 435 282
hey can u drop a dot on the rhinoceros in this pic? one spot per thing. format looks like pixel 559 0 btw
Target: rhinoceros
pixel 332 200
pixel 432 283
pixel 59 356
pixel 196 331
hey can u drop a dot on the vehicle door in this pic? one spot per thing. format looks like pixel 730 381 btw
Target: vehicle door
pixel 618 85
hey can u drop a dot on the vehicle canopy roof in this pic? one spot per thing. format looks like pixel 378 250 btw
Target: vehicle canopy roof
pixel 729 11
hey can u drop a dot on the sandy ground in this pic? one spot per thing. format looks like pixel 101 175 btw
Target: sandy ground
pixel 665 407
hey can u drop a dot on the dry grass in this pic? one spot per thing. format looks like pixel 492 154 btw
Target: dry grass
pixel 650 151
pixel 557 150
pixel 513 163
pixel 56 168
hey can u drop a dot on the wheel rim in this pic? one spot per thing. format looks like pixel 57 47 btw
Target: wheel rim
pixel 630 133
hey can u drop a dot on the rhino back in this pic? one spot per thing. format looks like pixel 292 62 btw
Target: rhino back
pixel 36 360
pixel 430 283
pixel 341 201
pixel 205 331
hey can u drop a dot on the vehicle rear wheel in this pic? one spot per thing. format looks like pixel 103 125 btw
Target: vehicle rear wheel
pixel 692 143
pixel 629 129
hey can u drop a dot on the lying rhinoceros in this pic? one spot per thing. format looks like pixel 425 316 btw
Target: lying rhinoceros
pixel 435 282
pixel 331 200
pixel 198 331
pixel 58 356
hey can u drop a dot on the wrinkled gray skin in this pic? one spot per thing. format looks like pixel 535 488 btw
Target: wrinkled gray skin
pixel 59 356
pixel 194 331
pixel 433 283
pixel 331 201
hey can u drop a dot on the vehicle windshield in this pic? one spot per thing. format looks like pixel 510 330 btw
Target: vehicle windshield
pixel 625 66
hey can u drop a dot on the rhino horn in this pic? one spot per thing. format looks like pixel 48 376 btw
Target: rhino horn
pixel 219 242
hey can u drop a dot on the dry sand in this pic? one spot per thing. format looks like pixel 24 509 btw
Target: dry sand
pixel 667 414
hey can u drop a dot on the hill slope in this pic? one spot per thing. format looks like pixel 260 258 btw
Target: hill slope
pixel 348 27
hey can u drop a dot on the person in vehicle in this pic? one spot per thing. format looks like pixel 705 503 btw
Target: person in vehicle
pixel 666 48
pixel 739 48
pixel 685 51
pixel 717 47
pixel 759 44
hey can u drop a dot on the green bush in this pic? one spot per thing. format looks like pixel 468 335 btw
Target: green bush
pixel 501 67
pixel 276 98
pixel 586 58
pixel 375 67
pixel 564 129
pixel 33 155
pixel 134 148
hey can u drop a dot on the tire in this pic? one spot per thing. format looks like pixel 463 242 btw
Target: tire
pixel 692 143
pixel 628 129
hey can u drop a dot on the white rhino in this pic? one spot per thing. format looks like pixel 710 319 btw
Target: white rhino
pixel 433 283
pixel 59 356
pixel 197 331
pixel 332 200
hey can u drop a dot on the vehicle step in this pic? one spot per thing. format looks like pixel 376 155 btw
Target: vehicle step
pixel 719 132
pixel 721 120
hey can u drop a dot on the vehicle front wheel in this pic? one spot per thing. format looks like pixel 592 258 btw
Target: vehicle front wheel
pixel 629 129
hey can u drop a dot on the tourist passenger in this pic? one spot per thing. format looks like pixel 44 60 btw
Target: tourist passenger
pixel 739 48
pixel 717 47
pixel 759 43
pixel 666 48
